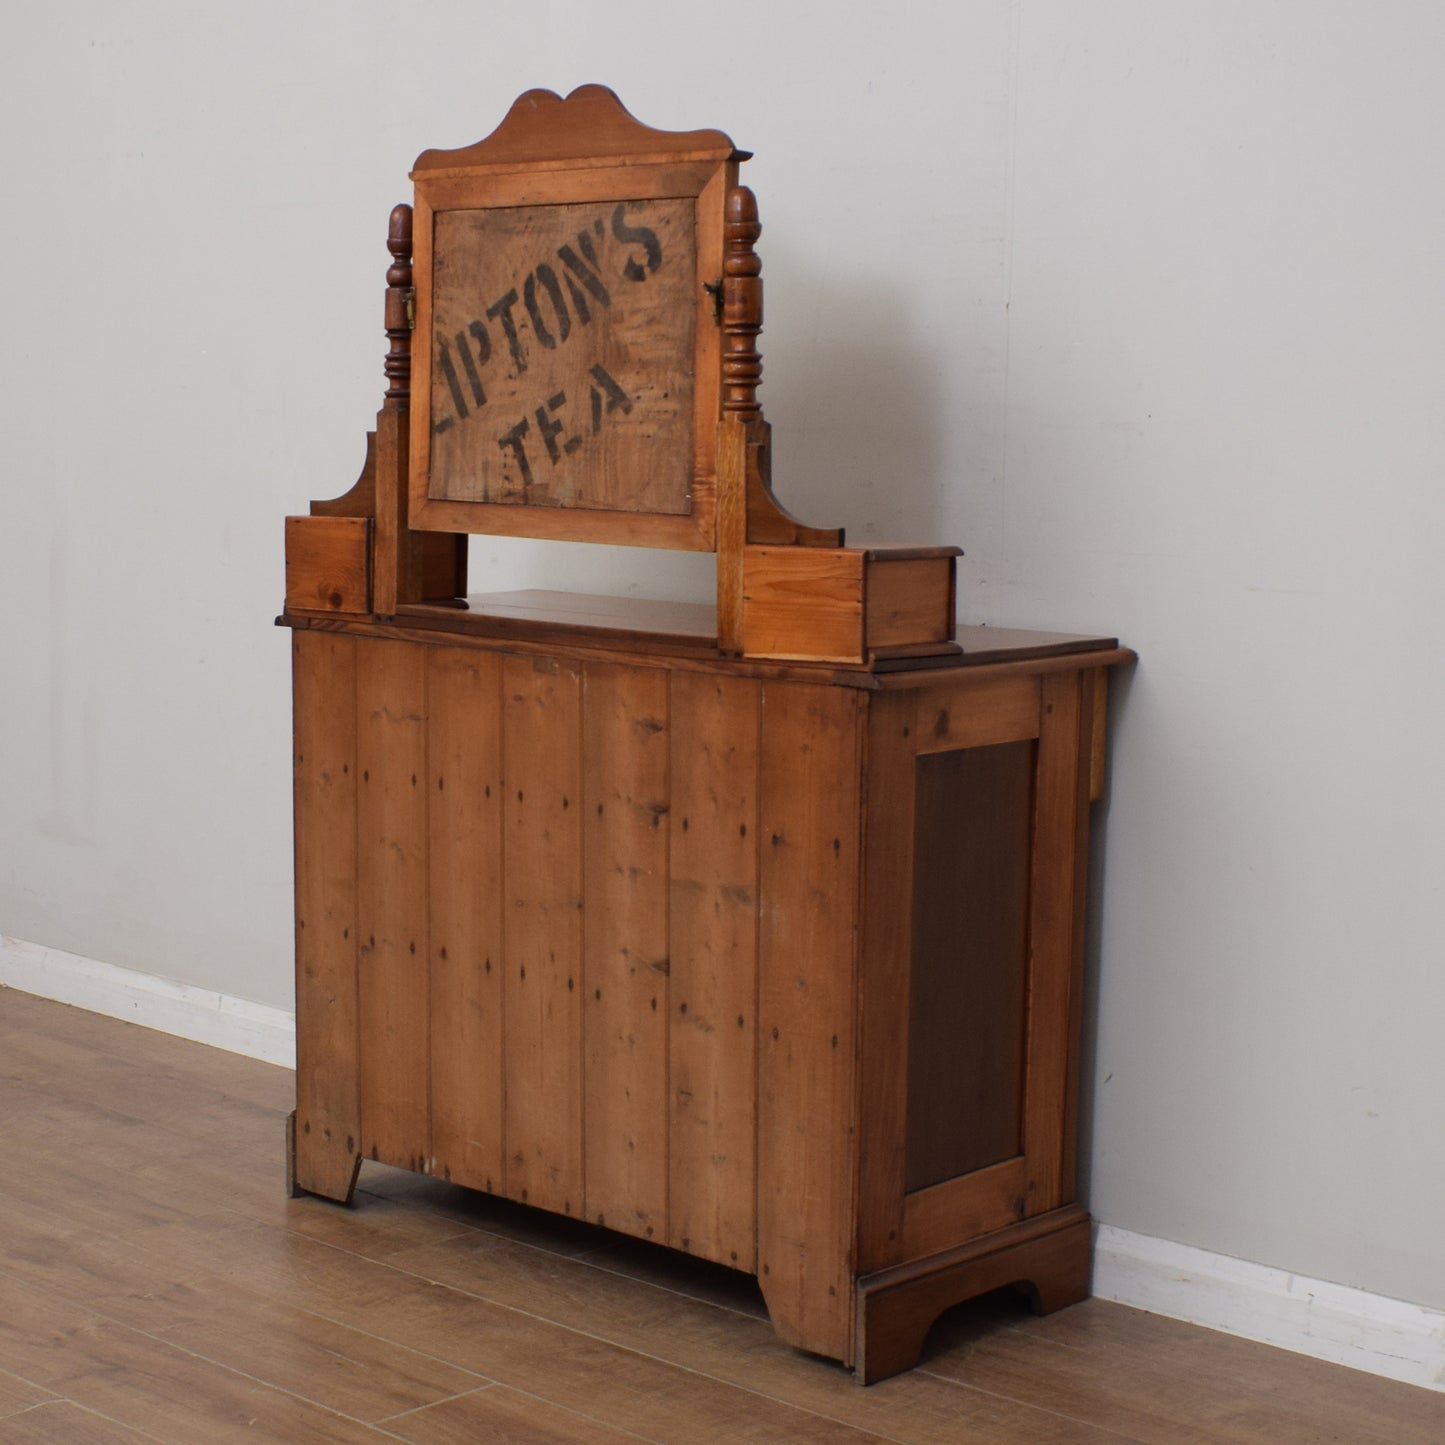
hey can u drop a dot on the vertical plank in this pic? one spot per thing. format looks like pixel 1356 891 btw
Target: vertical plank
pixel 464 805
pixel 806 1003
pixel 1054 934
pixel 542 886
pixel 712 1035
pixel 392 900
pixel 625 1004
pixel 886 955
pixel 328 1125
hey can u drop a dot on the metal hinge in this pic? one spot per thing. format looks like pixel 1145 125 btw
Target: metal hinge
pixel 411 307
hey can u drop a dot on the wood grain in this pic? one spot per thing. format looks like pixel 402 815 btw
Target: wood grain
pixel 563 355
pixel 713 900
pixel 807 1151
pixel 803 602
pixel 542 126
pixel 542 811
pixel 908 600
pixel 627 1337
pixel 495 1412
pixel 328 564
pixel 465 901
pixel 625 754
pixel 886 954
pixel 328 1114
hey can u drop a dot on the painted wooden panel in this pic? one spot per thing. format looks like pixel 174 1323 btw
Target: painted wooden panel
pixel 542 839
pixel 392 901
pixel 464 804
pixel 328 1122
pixel 713 1034
pixel 806 995
pixel 625 968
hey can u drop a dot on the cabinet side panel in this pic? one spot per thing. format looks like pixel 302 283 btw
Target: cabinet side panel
pixel 806 994
pixel 1055 936
pixel 464 805
pixel 392 901
pixel 542 887
pixel 328 1123
pixel 713 947
pixel 624 1004
pixel 969 960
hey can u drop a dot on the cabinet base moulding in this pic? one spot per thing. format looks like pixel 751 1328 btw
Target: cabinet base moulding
pixel 1048 1255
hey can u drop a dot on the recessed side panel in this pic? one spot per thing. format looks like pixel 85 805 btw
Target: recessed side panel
pixel 969 960
pixel 562 355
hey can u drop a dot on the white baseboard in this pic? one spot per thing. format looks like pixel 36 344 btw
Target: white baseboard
pixel 1309 1316
pixel 234 1024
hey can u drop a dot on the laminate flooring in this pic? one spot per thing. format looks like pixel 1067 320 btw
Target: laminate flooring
pixel 156 1284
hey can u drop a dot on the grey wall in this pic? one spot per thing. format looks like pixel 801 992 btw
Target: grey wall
pixel 1139 302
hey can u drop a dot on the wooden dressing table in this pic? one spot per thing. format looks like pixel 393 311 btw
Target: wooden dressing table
pixel 754 930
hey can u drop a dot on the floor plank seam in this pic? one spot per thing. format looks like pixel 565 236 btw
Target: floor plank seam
pixel 616 1345
pixel 136 1430
pixel 1015 1400
pixel 228 1369
pixel 444 1400
pixel 516 1390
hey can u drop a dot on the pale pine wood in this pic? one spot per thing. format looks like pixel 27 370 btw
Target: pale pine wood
pixel 843 604
pixel 328 1121
pixel 810 762
pixel 391 546
pixel 391 886
pixel 494 1412
pixel 542 720
pixel 713 905
pixel 803 602
pixel 328 564
pixel 625 953
pixel 465 902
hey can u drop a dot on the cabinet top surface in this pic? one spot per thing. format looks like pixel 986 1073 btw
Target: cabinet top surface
pixel 681 631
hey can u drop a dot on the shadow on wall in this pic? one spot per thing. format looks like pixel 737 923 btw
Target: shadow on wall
pixel 1121 680
pixel 856 414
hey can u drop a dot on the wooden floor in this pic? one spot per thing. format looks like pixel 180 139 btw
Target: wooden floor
pixel 155 1284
